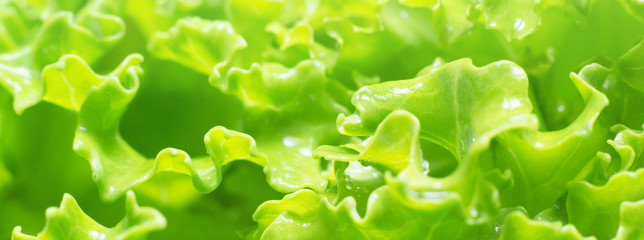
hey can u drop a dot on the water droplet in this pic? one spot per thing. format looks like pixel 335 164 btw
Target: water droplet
pixel 561 108
pixel 289 141
pixel 404 14
pixel 538 145
pixel 519 24
pixel 306 151
pixel 511 103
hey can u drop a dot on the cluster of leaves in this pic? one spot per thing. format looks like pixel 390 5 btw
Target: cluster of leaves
pixel 513 119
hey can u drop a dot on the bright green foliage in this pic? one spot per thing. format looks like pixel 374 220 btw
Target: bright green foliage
pixel 89 34
pixel 212 49
pixel 304 215
pixel 595 210
pixel 462 98
pixel 629 144
pixel 116 166
pixel 70 222
pixel 630 226
pixel 515 19
pixel 541 162
pixel 393 145
pixel 518 226
pixel 322 119
pixel 70 79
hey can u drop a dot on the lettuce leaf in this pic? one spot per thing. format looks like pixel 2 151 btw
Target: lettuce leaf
pixel 629 144
pixel 264 89
pixel 594 210
pixel 361 119
pixel 214 47
pixel 303 215
pixel 572 36
pixel 408 197
pixel 462 87
pixel 116 166
pixel 69 221
pixel 548 154
pixel 518 226
pixel 630 226
pixel 88 34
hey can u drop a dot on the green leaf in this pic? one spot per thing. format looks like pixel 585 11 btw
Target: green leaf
pixel 17 23
pixel 297 44
pixel 474 195
pixel 305 215
pixel 225 146
pixel 358 181
pixel 60 34
pixel 290 165
pixel 454 152
pixel 352 44
pixel 265 88
pixel 392 146
pixel 597 171
pixel 594 210
pixel 518 226
pixel 630 221
pixel 515 19
pixel 624 100
pixel 295 113
pixel 543 162
pixel 451 18
pixel 70 222
pixel 630 67
pixel 629 144
pixel 276 87
pixel 438 62
pixel 203 45
pixel 214 44
pixel 573 35
pixel 159 15
pixel 81 36
pixel 363 14
pixel 116 166
pixel 469 107
pixel 300 34
pixel 70 80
